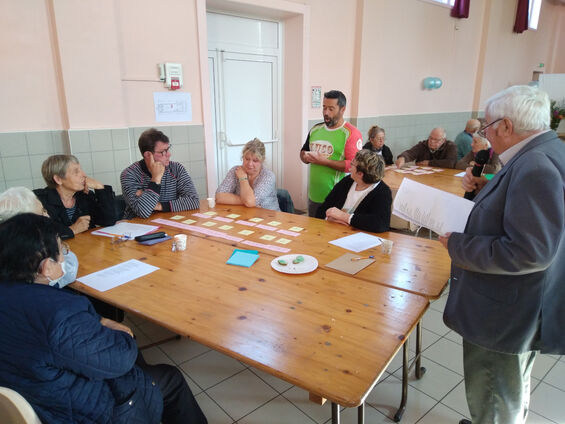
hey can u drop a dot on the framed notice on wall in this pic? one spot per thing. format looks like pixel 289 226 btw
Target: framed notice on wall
pixel 316 96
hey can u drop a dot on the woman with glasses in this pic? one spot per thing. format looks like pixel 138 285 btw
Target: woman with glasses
pixel 376 144
pixel 75 201
pixel 361 199
pixel 70 364
pixel 479 143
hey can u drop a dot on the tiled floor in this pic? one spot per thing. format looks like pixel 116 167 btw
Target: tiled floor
pixel 231 392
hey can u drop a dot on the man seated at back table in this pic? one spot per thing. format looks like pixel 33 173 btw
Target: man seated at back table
pixel 435 151
pixel 156 183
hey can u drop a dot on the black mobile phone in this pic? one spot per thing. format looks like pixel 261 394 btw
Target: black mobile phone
pixel 151 236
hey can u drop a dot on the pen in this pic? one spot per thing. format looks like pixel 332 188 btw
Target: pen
pixel 115 235
pixel 363 257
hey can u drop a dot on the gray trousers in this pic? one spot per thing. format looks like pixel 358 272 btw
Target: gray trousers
pixel 313 208
pixel 497 384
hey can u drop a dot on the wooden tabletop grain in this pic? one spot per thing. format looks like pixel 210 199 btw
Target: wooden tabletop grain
pixel 330 334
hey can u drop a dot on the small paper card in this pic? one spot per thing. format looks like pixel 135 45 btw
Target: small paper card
pixel 225 227
pixel 267 237
pixel 256 219
pixel 283 241
pixel 210 213
pixel 189 221
pixel 177 217
pixel 345 264
pixel 209 224
pixel 296 228
pixel 246 232
pixel 274 223
pixel 243 257
pixel 233 215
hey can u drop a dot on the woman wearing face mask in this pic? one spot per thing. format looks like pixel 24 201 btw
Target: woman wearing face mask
pixel 71 365
pixel 72 199
pixel 17 200
pixel 250 184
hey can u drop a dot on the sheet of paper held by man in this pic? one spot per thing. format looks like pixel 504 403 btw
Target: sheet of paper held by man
pixel 117 275
pixel 438 210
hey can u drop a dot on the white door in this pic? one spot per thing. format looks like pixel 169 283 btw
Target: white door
pixel 245 89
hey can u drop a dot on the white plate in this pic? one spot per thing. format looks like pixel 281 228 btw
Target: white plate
pixel 309 264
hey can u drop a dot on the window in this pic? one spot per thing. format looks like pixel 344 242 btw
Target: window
pixel 533 13
pixel 446 2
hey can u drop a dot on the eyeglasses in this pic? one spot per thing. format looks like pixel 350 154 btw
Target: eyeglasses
pixel 482 131
pixel 164 152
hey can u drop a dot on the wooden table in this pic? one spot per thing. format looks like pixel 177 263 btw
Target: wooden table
pixel 443 180
pixel 416 265
pixel 330 334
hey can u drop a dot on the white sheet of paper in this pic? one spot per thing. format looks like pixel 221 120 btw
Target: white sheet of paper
pixel 438 210
pixel 117 275
pixel 357 242
pixel 172 106
pixel 461 174
pixel 123 228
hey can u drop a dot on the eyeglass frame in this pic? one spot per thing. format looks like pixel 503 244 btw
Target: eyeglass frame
pixel 482 130
pixel 164 152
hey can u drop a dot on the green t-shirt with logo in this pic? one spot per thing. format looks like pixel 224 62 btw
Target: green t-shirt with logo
pixel 336 144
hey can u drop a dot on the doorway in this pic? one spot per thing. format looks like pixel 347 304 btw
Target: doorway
pixel 244 73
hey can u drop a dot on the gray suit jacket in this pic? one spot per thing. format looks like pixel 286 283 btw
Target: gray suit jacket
pixel 507 288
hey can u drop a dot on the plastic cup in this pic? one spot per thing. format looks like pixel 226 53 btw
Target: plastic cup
pixel 180 242
pixel 211 202
pixel 386 246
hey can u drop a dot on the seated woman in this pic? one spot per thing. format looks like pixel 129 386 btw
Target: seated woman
pixel 376 144
pixel 72 199
pixel 71 365
pixel 479 143
pixel 361 199
pixel 250 184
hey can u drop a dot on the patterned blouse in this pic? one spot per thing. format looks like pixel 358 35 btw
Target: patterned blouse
pixel 264 188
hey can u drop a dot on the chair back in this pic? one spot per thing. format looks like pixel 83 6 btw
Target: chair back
pixel 285 201
pixel 14 409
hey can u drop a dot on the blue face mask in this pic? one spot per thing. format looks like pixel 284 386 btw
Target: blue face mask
pixel 70 269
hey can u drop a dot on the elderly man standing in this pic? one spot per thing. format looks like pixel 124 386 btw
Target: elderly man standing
pixel 155 183
pixel 506 296
pixel 329 149
pixel 435 151
pixel 465 138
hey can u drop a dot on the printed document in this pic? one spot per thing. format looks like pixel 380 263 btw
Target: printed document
pixel 428 207
pixel 117 275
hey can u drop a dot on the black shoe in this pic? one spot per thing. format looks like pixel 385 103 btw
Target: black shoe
pixel 465 421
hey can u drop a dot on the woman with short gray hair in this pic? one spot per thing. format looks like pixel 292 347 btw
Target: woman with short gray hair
pixel 492 166
pixel 250 184
pixel 73 200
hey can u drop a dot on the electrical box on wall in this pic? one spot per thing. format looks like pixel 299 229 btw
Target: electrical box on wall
pixel 171 74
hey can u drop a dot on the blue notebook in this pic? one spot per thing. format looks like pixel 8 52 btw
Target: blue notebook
pixel 243 257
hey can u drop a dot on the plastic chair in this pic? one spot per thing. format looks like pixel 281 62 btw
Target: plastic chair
pixel 285 201
pixel 14 409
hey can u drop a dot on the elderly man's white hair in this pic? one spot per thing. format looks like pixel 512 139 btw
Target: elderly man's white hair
pixel 527 107
pixel 18 200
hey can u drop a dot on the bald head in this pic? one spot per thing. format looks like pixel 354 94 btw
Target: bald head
pixel 472 126
pixel 436 139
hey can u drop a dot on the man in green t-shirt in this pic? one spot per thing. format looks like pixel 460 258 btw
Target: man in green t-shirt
pixel 329 149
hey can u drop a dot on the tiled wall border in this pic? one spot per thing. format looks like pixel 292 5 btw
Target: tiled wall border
pixel 103 153
pixel 403 131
